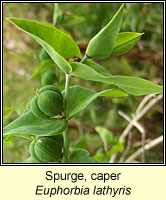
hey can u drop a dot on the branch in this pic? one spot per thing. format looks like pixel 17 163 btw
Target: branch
pixel 148 146
pixel 141 110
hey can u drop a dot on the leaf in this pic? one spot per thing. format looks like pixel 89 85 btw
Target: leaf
pixel 125 41
pixel 72 20
pixel 80 144
pixel 101 45
pixel 27 125
pixel 116 148
pixel 100 156
pixel 57 15
pixel 59 41
pixel 132 85
pixel 98 68
pixel 42 66
pixel 56 43
pixel 81 156
pixel 6 112
pixel 80 97
pixel 105 134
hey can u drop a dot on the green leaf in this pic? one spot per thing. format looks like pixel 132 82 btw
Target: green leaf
pixel 27 125
pixel 100 156
pixel 81 156
pixel 105 134
pixel 42 66
pixel 57 15
pixel 56 43
pixel 125 41
pixel 132 85
pixel 80 97
pixel 6 112
pixel 101 45
pixel 98 68
pixel 116 148
pixel 59 41
pixel 72 20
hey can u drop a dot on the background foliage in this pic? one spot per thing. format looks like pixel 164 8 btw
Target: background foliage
pixel 21 57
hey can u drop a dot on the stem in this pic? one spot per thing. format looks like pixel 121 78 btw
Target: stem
pixel 84 58
pixel 66 132
pixel 66 146
pixel 68 76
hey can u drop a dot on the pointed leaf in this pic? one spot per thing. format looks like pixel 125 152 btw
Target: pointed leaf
pixel 80 97
pixel 42 66
pixel 81 156
pixel 56 43
pixel 101 45
pixel 105 134
pixel 59 41
pixel 132 85
pixel 27 125
pixel 125 41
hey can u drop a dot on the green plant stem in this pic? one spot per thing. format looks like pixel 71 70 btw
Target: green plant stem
pixel 84 58
pixel 66 132
pixel 66 146
pixel 68 76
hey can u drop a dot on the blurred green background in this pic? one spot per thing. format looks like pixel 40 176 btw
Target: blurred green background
pixel 21 57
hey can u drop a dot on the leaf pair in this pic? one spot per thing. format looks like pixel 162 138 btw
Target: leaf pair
pixel 60 46
pixel 27 125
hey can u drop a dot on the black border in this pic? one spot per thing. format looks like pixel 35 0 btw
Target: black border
pixel 83 164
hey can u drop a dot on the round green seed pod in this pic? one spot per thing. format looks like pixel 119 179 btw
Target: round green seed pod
pixel 48 78
pixel 50 103
pixel 47 149
pixel 43 55
pixel 32 152
pixel 35 109
pixel 52 88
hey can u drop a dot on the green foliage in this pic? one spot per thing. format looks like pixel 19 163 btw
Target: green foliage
pixel 60 42
pixel 45 64
pixel 101 45
pixel 43 55
pixel 48 116
pixel 57 44
pixel 48 78
pixel 132 85
pixel 27 125
pixel 105 135
pixel 81 97
pixel 81 156
pixel 125 41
